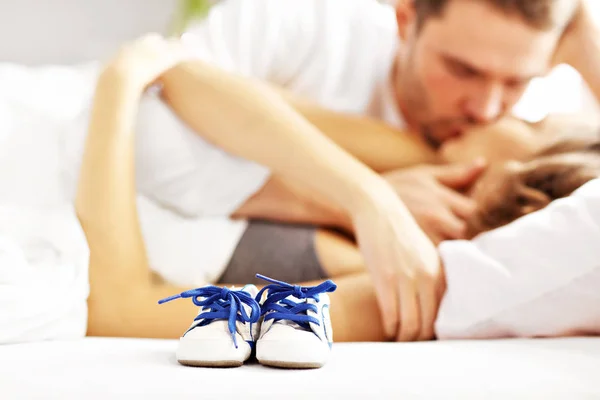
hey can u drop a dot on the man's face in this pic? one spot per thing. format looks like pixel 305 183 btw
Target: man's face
pixel 467 67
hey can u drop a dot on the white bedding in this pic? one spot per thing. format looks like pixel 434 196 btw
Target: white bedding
pixel 95 368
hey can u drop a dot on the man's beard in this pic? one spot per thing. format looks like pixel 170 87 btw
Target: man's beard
pixel 415 103
pixel 431 140
pixel 417 107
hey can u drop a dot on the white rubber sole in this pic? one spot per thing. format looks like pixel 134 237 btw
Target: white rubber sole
pixel 293 355
pixel 212 353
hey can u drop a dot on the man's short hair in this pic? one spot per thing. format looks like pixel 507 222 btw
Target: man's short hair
pixel 540 14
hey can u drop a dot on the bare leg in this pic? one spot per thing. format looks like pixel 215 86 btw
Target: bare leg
pixel 338 255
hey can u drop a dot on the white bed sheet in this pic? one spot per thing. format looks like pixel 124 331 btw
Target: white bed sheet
pixel 96 368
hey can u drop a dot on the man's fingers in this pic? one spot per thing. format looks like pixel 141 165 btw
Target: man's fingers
pixel 436 238
pixel 431 229
pixel 429 302
pixel 410 319
pixel 388 305
pixel 448 220
pixel 460 204
pixel 451 226
pixel 460 176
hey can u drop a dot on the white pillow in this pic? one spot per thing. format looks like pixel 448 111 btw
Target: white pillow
pixel 536 277
pixel 36 104
pixel 43 274
pixel 43 251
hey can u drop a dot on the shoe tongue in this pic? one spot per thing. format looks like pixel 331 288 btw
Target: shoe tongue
pixel 251 290
pixel 292 323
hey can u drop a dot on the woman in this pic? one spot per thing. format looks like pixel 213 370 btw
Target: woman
pixel 124 292
pixel 106 193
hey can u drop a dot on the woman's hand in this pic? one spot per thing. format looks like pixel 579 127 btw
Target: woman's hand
pixel 404 265
pixel 144 60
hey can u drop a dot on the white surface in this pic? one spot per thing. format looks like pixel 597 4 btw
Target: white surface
pixel 539 276
pixel 146 369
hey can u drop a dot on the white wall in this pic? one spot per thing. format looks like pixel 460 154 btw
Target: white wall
pixel 70 31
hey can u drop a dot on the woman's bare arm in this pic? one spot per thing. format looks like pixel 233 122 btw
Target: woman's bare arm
pixel 376 144
pixel 106 207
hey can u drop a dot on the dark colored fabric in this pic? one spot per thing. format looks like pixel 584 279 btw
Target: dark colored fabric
pixel 279 251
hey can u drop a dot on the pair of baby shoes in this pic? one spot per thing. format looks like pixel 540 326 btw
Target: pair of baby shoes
pixel 288 326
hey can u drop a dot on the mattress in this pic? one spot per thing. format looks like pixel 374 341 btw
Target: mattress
pixel 104 368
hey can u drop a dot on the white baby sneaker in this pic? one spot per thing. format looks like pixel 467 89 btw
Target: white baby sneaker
pixel 224 332
pixel 296 328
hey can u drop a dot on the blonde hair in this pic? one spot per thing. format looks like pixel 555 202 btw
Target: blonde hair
pixel 558 171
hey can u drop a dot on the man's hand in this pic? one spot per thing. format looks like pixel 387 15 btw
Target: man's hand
pixel 432 195
pixel 404 265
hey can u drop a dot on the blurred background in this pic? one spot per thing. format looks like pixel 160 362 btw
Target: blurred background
pixel 73 31
pixel 59 32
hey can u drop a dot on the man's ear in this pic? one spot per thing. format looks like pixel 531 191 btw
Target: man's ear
pixel 406 17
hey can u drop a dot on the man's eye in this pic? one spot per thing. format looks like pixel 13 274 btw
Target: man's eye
pixel 461 70
pixel 517 84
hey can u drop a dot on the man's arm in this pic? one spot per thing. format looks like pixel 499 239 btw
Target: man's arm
pixel 580 46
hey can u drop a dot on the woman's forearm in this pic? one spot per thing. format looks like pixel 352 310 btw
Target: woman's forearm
pixel 225 109
pixel 377 145
pixel 380 146
pixel 106 194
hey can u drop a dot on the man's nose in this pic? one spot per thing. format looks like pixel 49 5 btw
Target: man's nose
pixel 487 105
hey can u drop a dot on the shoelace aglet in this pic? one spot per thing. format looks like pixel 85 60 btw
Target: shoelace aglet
pixel 170 298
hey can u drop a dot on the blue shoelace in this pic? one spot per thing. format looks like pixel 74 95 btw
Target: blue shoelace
pixel 221 304
pixel 278 307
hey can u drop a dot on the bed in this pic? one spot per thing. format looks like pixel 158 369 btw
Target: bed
pixel 103 368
